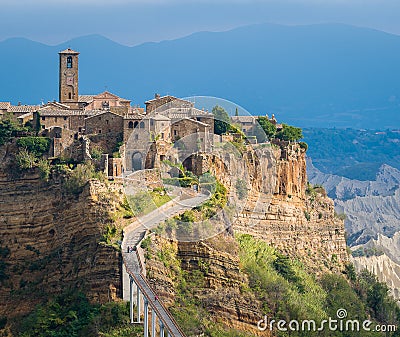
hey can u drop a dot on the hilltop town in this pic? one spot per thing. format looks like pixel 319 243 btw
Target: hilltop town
pixel 129 138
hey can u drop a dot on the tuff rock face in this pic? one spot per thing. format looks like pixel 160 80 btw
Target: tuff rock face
pixel 50 241
pixel 277 210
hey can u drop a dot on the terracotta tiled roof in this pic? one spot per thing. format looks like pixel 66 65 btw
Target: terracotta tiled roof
pixel 25 115
pixel 185 112
pixel 55 105
pixel 159 98
pixel 23 108
pixel 59 112
pixel 196 121
pixel 243 119
pixel 4 105
pixel 86 98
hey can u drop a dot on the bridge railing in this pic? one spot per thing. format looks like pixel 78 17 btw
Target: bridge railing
pixel 140 256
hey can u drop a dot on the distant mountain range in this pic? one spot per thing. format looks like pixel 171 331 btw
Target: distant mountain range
pixel 317 75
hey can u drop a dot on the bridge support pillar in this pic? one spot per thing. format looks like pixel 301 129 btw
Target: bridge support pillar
pixel 138 304
pixel 161 329
pixel 153 323
pixel 146 317
pixel 131 299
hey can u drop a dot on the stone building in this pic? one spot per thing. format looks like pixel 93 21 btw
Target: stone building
pixel 105 101
pixel 105 121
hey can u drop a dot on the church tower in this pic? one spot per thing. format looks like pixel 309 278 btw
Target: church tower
pixel 68 77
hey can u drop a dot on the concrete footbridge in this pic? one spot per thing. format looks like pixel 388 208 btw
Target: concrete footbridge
pixel 134 271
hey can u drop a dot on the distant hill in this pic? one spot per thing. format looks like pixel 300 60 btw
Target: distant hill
pixel 354 154
pixel 316 75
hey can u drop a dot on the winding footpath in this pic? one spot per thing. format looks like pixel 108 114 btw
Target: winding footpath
pixel 134 261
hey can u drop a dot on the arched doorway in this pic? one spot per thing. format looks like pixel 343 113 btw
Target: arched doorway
pixel 137 161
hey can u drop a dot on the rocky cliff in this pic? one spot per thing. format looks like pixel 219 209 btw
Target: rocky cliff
pixel 50 241
pixel 278 209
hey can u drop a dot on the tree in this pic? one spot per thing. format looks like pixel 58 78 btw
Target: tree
pixel 268 128
pixel 289 133
pixel 236 112
pixel 221 120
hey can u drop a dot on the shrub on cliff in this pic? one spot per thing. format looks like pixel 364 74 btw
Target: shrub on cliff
pixel 36 145
pixel 221 120
pixel 289 133
pixel 9 128
pixel 80 176
pixel 268 127
pixel 25 159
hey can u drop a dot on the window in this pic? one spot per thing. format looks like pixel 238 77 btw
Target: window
pixel 141 125
pixel 162 135
pixel 69 95
pixel 43 127
pixel 151 122
pixel 65 118
pixel 175 132
pixel 99 131
pixel 43 118
pixel 136 137
pixel 130 125
pixel 55 119
pixel 109 130
pixel 69 62
pixel 135 124
pixel 107 121
pixel 80 129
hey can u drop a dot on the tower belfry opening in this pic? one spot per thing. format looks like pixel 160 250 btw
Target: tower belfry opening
pixel 68 78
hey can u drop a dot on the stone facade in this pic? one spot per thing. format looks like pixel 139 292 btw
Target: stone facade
pixel 104 122
pixel 68 77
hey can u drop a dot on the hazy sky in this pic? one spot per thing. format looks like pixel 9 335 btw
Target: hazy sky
pixel 132 22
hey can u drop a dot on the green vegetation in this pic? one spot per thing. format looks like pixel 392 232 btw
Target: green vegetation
pixel 71 314
pixel 205 211
pixel 268 127
pixel 144 202
pixel 9 128
pixel 96 152
pixel 289 292
pixel 25 159
pixel 289 133
pixel 80 176
pixel 35 145
pixel 358 154
pixel 364 251
pixel 221 120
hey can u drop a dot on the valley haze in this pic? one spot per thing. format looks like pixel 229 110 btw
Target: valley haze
pixel 321 75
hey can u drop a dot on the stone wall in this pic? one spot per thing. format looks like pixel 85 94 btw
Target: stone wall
pixel 106 122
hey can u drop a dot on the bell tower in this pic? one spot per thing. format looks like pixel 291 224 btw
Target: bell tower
pixel 68 77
